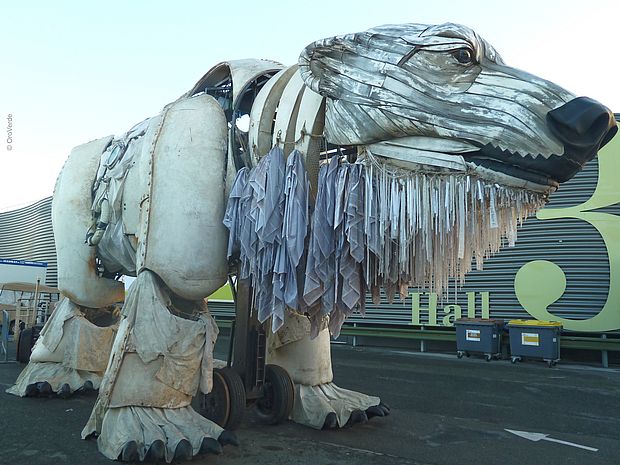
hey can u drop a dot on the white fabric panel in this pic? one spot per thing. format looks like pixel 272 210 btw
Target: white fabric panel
pixel 263 112
pixel 286 117
pixel 71 218
pixel 308 361
pixel 187 202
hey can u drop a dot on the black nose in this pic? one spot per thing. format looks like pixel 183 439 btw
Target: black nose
pixel 582 125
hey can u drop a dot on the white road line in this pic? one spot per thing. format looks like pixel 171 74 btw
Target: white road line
pixel 365 451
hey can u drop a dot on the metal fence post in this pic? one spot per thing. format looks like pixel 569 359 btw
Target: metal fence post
pixel 4 337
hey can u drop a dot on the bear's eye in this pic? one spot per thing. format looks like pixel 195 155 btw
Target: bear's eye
pixel 463 56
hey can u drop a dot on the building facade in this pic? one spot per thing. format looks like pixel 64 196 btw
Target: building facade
pixel 26 234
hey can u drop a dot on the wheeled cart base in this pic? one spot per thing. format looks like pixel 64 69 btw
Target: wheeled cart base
pixel 246 380
pixel 550 363
pixel 488 357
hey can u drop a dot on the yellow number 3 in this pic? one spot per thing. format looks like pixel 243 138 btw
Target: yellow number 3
pixel 540 283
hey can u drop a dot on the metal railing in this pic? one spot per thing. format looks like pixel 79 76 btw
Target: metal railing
pixel 602 343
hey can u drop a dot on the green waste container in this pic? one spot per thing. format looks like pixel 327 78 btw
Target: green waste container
pixel 479 335
pixel 535 339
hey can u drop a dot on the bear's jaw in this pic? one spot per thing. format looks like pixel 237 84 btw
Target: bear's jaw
pixel 432 155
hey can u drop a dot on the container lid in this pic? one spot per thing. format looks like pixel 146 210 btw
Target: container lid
pixel 488 321
pixel 534 323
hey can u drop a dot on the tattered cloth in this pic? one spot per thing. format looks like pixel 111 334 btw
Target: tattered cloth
pixel 267 215
pixel 370 227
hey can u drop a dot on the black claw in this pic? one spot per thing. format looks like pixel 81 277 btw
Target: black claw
pixel 228 437
pixel 92 435
pixel 374 411
pixel 385 408
pixel 331 421
pixel 210 446
pixel 129 452
pixel 357 416
pixel 31 390
pixel 65 391
pixel 156 451
pixel 45 389
pixel 183 451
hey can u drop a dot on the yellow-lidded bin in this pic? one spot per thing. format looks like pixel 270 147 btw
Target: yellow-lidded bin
pixel 534 323
pixel 535 339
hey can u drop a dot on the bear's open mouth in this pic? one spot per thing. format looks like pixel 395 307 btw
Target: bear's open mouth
pixel 488 162
pixel 481 159
pixel 543 170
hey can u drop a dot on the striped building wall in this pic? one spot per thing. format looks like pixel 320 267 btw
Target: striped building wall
pixel 26 234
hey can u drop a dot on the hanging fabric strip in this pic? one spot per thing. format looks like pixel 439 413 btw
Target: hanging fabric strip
pixel 373 226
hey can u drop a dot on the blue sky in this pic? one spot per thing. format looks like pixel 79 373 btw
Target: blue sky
pixel 73 71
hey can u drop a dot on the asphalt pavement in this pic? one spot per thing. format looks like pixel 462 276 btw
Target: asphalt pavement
pixel 444 411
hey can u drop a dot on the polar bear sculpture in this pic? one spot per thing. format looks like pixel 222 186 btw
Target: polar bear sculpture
pixel 437 101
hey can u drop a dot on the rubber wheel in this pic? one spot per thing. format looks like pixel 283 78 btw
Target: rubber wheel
pixel 225 404
pixel 459 354
pixel 278 396
pixel 488 357
pixel 24 345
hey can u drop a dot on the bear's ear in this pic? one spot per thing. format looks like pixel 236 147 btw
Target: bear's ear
pixel 320 62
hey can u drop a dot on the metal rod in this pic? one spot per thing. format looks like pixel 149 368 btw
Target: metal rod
pixel 231 340
pixel 604 355
pixel 231 344
pixel 36 303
